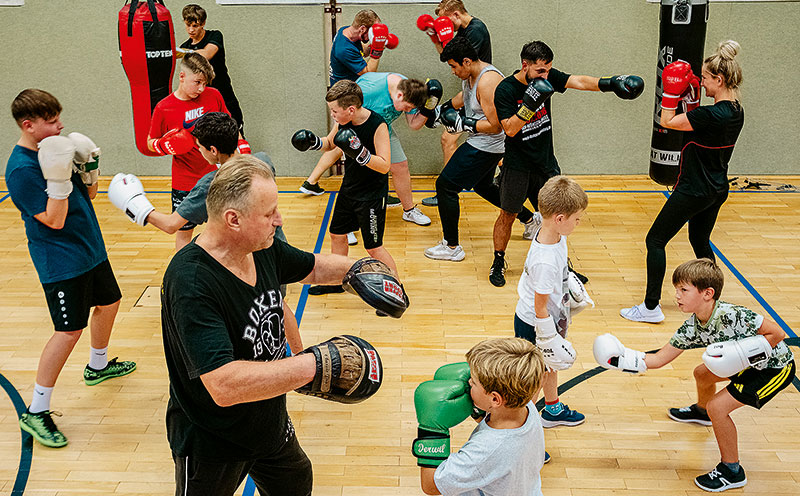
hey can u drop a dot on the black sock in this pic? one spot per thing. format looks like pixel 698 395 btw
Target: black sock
pixel 734 467
pixel 499 254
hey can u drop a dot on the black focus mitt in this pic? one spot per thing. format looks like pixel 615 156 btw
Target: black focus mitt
pixel 374 282
pixel 349 370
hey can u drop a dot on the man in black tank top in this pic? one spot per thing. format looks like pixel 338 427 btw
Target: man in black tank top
pixel 210 45
pixel 474 30
pixel 363 137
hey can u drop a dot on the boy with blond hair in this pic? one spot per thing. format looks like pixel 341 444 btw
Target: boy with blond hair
pixel 544 309
pixel 506 451
pixel 741 347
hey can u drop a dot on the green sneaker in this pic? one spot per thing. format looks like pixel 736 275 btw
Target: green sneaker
pixel 42 428
pixel 113 369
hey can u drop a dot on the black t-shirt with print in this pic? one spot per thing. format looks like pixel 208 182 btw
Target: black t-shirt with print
pixel 708 148
pixel 361 182
pixel 210 318
pixel 222 81
pixel 532 147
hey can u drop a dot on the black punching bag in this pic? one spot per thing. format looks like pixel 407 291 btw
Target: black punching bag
pixel 682 36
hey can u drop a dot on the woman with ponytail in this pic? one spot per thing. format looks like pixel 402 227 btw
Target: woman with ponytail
pixel 702 185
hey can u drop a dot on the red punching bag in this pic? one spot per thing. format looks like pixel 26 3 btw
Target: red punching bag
pixel 146 47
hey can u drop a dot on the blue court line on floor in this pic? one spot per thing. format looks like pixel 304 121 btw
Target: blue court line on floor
pixel 4 197
pixel 753 291
pixel 249 485
pixel 26 446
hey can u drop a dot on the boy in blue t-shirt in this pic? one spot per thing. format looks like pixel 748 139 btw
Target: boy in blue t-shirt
pixel 52 180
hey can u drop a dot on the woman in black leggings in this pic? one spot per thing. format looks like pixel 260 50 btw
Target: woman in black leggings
pixel 702 185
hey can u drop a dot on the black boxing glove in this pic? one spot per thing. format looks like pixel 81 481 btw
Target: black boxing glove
pixel 537 92
pixel 456 121
pixel 305 140
pixel 626 87
pixel 348 141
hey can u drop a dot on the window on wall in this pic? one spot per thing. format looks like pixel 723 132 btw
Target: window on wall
pixel 11 3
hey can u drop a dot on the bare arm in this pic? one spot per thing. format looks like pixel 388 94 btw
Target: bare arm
pixel 55 213
pixel 292 330
pixel 328 269
pixel 662 357
pixel 169 223
pixel 416 121
pixel 486 87
pixel 772 332
pixel 585 83
pixel 677 122
pixel 327 141
pixel 93 190
pixel 381 160
pixel 458 100
pixel 244 381
pixel 208 51
pixel 426 480
pixel 540 305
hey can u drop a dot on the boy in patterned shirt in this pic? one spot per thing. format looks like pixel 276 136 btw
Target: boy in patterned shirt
pixel 742 347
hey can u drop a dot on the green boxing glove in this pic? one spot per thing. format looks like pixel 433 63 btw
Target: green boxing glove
pixel 440 405
pixel 458 371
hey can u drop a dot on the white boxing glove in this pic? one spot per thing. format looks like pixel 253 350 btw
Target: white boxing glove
pixel 579 298
pixel 558 353
pixel 611 354
pixel 87 158
pixel 731 357
pixel 55 160
pixel 127 194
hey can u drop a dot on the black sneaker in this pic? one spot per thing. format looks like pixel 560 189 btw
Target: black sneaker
pixel 497 274
pixel 41 426
pixel 721 479
pixel 392 201
pixel 311 189
pixel 322 289
pixel 546 458
pixel 689 414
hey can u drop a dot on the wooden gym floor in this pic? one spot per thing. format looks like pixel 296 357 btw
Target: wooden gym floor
pixel 627 446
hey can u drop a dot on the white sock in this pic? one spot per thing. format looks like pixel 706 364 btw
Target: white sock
pixel 41 398
pixel 98 359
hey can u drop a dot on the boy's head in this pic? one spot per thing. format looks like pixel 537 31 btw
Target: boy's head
pixel 459 54
pixel 453 10
pixel 37 113
pixel 344 99
pixel 562 200
pixel 196 74
pixel 508 370
pixel 537 60
pixel 194 17
pixel 703 275
pixel 411 94
pixel 217 133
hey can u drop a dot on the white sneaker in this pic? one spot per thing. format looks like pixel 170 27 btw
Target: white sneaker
pixel 532 225
pixel 351 239
pixel 640 313
pixel 444 252
pixel 417 217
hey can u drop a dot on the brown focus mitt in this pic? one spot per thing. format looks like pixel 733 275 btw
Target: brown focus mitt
pixel 349 370
pixel 374 282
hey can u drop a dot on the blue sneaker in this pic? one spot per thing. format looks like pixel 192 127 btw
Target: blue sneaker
pixel 566 417
pixel 546 458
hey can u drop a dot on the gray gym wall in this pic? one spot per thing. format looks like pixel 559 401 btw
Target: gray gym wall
pixel 276 59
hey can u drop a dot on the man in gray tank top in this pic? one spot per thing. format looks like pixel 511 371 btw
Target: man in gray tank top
pixel 474 163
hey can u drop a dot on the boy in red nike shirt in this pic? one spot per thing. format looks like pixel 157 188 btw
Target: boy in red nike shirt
pixel 170 130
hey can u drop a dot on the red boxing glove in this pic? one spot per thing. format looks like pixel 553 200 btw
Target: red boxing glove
pixel 675 80
pixel 378 36
pixel 425 23
pixel 392 41
pixel 444 29
pixel 244 147
pixel 691 97
pixel 174 142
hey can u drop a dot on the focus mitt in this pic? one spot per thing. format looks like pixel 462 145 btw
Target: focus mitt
pixel 374 282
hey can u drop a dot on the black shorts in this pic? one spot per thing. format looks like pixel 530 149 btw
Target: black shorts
pixel 518 185
pixel 177 198
pixel 286 473
pixel 369 216
pixel 468 166
pixel 756 387
pixel 70 300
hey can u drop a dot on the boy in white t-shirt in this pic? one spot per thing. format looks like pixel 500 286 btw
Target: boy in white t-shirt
pixel 544 308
